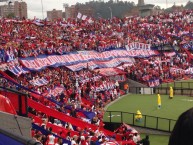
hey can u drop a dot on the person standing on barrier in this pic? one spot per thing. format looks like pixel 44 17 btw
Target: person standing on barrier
pixel 183 130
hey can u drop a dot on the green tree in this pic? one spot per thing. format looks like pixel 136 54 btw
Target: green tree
pixel 103 9
pixel 11 15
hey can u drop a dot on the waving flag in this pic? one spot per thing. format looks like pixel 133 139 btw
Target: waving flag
pixel 60 50
pixel 39 82
pixel 16 70
pixel 79 15
pixel 37 22
pixel 84 17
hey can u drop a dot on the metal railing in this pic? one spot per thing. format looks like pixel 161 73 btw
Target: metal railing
pixel 180 88
pixel 176 84
pixel 151 122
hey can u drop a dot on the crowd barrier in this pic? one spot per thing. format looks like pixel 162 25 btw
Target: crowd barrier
pixel 64 117
pixel 10 138
pixel 151 122
pixel 180 88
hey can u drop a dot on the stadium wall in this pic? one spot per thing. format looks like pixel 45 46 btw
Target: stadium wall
pixel 134 87
pixel 15 124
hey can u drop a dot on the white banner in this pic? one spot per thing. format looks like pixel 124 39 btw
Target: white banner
pixel 138 46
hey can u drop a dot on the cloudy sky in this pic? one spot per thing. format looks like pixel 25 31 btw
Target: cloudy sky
pixel 35 7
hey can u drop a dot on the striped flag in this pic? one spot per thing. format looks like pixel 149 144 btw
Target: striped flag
pixel 39 82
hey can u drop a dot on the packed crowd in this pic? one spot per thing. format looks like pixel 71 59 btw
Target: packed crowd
pixel 27 38
pixel 75 88
pixel 74 93
pixel 160 68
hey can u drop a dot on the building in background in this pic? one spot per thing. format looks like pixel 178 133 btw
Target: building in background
pixel 54 15
pixel 141 3
pixel 144 10
pixel 20 9
pixel 7 10
pixel 176 8
pixel 16 9
pixel 72 11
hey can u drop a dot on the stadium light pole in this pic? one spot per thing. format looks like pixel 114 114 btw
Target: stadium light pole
pixel 111 12
pixel 42 9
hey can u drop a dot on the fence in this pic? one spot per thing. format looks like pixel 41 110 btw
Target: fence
pixel 179 85
pixel 151 122
pixel 180 88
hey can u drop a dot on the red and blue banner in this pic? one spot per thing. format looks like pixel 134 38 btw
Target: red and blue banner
pixel 39 82
pixel 82 59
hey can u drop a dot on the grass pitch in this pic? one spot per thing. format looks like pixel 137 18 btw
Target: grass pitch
pixel 147 104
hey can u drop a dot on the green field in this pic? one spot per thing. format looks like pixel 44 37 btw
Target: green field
pixel 179 84
pixel 157 139
pixel 147 104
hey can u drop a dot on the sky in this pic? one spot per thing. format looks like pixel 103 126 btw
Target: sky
pixel 35 6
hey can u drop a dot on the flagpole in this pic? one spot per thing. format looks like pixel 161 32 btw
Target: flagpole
pixel 111 12
pixel 42 9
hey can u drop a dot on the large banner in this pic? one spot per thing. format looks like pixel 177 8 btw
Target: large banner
pixel 95 58
pixel 39 82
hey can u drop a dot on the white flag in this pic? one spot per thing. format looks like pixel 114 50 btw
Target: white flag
pixel 79 15
pixel 90 20
pixel 84 17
